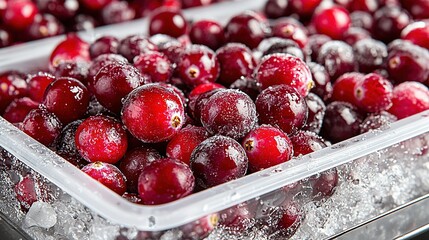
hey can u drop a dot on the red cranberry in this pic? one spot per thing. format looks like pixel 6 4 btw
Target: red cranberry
pixel 163 110
pixel 337 57
pixel 101 139
pixel 235 60
pixel 266 146
pixel 207 32
pixel 316 112
pixel 169 46
pixel 200 228
pixel 332 21
pixel 305 142
pixel 134 162
pixel 5 37
pixel 289 28
pixel 83 22
pixel 362 20
pixel 198 65
pixel 155 66
pixel 315 42
pixel 237 218
pixel 408 99
pixel 283 107
pixel 370 54
pixel 341 122
pixel 195 3
pixel 419 9
pixel 354 34
pixel 148 7
pixel 19 14
pixel 304 8
pixel 364 5
pixel 290 219
pixel 61 9
pixel 95 5
pixel 169 21
pixel 37 85
pixel 247 85
pixel 377 121
pixel 230 113
pixel 196 92
pixel 103 45
pixel 276 8
pixel 284 69
pixel 165 180
pixel 324 184
pixel 343 88
pixel 132 197
pixel 72 48
pixel 280 45
pixel 44 25
pixel 134 45
pixel 42 126
pixel 322 81
pixel 417 33
pixel 247 28
pixel 108 175
pixel 66 146
pixel 12 85
pixel 116 12
pixel 373 93
pixel 29 190
pixel 389 22
pixel 73 69
pixel 101 61
pixel 18 109
pixel 217 160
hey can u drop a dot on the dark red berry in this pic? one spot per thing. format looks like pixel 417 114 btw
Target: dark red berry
pixel 290 219
pixel 101 61
pixel 155 66
pixel 61 9
pixel 116 12
pixel 132 197
pixel 108 175
pixel 195 3
pixel 343 88
pixel 276 8
pixel 73 69
pixel 337 57
pixel 95 5
pixel 417 33
pixel 289 28
pixel 280 45
pixel 354 34
pixel 42 126
pixel 84 22
pixel 324 184
pixel 408 99
pixel 200 228
pixel 305 142
pixel 169 21
pixel 72 48
pixel 322 81
pixel 18 109
pixel 19 14
pixel 237 218
pixel 207 32
pixel 419 9
pixel 134 45
pixel 373 93
pixel 37 85
pixel 304 8
pixel 370 54
pixel 316 113
pixel 104 45
pixel 43 26
pixel 332 21
pixel 362 19
pixel 6 38
pixel 315 42
pixel 66 146
pixel 247 85
pixel 377 121
pixel 29 190
pixel 196 92
pixel 389 22
pixel 12 85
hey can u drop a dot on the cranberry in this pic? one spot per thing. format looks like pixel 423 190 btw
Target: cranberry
pixel 65 143
pixel 29 190
pixel 5 37
pixel 324 184
pixel 195 3
pixel 165 180
pixel 101 139
pixel 148 7
pixel 280 45
pixel 200 228
pixel 12 85
pixel 104 45
pixel 237 218
pixel 108 175
pixel 417 33
pixel 316 112
pixel 72 48
pixel 169 21
pixel 377 121
pixel 134 162
pixel 409 98
pixel 370 54
pixel 155 66
pixel 134 45
pixel 230 113
pixel 19 14
pixel 196 92
pixel 332 21
pixel 44 25
pixel 235 60
pixel 354 34
pixel 289 28
pixel 200 102
pixel 315 42
pixel 247 28
pixel 73 69
pixel 217 160
pixel 18 109
pixel 373 93
pixel 83 22
pixel 61 9
pixel 116 12
pixel 305 142
pixel 101 61
pixel 163 110
pixel 304 8
pixel 284 69
pixel 337 57
pixel 132 197
pixel 362 20
pixel 343 88
pixel 389 22
pixel 290 219
pixel 364 5
pixel 266 146
pixel 283 107
pixel 247 85
pixel 95 5
pixel 322 81
pixel 419 9
pixel 171 47
pixel 276 8
pixel 42 126
pixel 207 32
pixel 37 85
pixel 341 122
pixel 198 65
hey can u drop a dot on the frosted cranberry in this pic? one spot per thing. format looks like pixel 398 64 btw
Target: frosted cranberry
pixel 44 25
pixel 343 88
pixel 247 85
pixel 230 113
pixel 315 42
pixel 198 65
pixel 116 12
pixel 354 34
pixel 217 160
pixel 370 54
pixel 155 66
pixel 83 22
pixel 290 219
pixel 316 112
pixel 247 28
pixel 73 69
pixel 61 9
pixel 289 28
pixel 305 142
pixel 324 184
pixel 276 8
pixel 419 9
pixel 200 102
pixel 72 48
pixel 19 14
pixel 12 85
pixel 266 146
pixel 235 60
pixel 207 32
pixel 197 91
pixel 134 162
pixel 169 46
pixel 101 139
pixel 165 180
pixel 373 93
pixel 200 228
pixel 286 69
pixel 417 33
pixel 283 107
pixel 132 197
pixel 103 45
pixel 409 98
pixel 341 122
pixel 37 85
pixel 169 21
pixel 184 142
pixel 322 81
pixel 42 126
pixel 108 175
pixel 5 37
pixel 29 190
pixel 134 45
pixel 362 19
pixel 195 3
pixel 332 21
pixel 101 61
pixel 389 22
pixel 337 57
pixel 377 121
pixel 280 45
pixel 237 218
pixel 96 5
pixel 304 8
pixel 65 143
pixel 18 109
pixel 163 109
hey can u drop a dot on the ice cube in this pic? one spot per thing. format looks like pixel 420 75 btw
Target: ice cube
pixel 41 214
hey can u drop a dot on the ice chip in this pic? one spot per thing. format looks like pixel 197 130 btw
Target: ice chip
pixel 41 214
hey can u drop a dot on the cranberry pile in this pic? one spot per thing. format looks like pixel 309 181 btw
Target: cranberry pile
pixel 26 20
pixel 194 105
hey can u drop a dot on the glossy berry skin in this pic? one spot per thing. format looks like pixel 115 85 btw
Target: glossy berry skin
pixel 374 93
pixel 155 66
pixel 196 3
pixel 169 21
pixel 290 219
pixel 341 122
pixel 165 180
pixel 12 85
pixel 322 81
pixel 230 113
pixel 408 99
pixel 389 22
pixel 72 48
pixel 266 146
pixel 343 88
pixel 108 175
pixel 61 9
pixel 67 98
pixel 72 69
pixel 101 61
pixel 200 228
pixel 37 85
pixel 153 113
pixel 247 28
pixel 417 33
pixel 283 107
pixel 305 142
pixel 29 190
pixel 285 69
pixel 370 54
pixel 96 5
pixel 184 142
pixel 235 60
pixel 134 162
pixel 217 160
pixel 41 125
pixel 247 85
pixel 337 57
pixel 276 8
pixel 114 82
pixel 43 26
pixel 101 139
pixel 324 184
pixel 104 45
pixel 19 14
pixel 417 8
pixel 354 34
pixel 134 45
pixel 289 28
pixel 377 121
pixel 65 144
pixel 198 65
pixel 316 112
pixel 315 42
pixel 332 21
pixel 207 32
pixel 304 8
pixel 194 95
pixel 84 22
pixel 116 12
pixel 18 109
